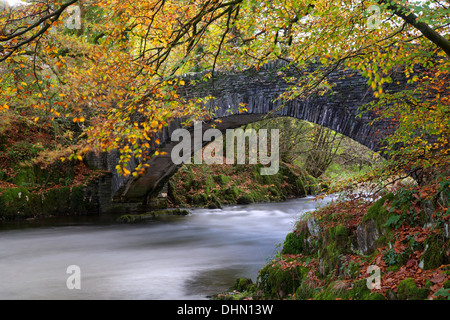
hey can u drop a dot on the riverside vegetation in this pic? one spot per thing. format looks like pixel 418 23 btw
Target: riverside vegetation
pixel 67 88
pixel 405 233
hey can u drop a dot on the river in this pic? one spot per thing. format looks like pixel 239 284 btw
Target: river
pixel 171 257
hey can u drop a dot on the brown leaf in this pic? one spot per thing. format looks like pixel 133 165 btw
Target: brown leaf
pixel 438 278
pixel 411 263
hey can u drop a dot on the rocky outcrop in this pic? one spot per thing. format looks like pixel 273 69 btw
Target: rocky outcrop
pixel 367 235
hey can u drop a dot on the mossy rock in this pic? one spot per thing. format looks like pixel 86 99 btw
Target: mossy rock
pixel 242 284
pixel 222 180
pixel 130 218
pixel 258 195
pixel 378 212
pixel 232 191
pixel 200 199
pixel 20 203
pixel 25 177
pixel 293 243
pixel 215 205
pixel 274 191
pixel 407 290
pixel 15 204
pixel 245 199
pixel 435 253
pixel 277 282
pixel 376 296
pixel 341 235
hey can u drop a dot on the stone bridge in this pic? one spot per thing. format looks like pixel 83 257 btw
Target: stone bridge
pixel 338 110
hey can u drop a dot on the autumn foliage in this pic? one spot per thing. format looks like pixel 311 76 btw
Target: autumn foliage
pixel 113 67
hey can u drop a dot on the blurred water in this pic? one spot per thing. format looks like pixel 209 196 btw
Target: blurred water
pixel 175 257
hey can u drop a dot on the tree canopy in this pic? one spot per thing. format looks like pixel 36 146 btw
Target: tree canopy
pixel 106 66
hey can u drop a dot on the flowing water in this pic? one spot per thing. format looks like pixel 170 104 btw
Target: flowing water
pixel 171 257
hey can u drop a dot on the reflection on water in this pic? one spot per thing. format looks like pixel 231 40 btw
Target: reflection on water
pixel 173 257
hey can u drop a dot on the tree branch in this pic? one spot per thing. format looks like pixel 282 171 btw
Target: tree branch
pixel 424 28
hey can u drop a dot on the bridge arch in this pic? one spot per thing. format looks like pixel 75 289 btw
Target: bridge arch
pixel 338 110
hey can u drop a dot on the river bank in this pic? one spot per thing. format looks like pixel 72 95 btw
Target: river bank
pixel 394 248
pixel 216 185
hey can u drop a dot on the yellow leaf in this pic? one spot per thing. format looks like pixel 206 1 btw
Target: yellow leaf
pixel 157 141
pixel 62 159
pixel 154 124
pixel 79 158
pixel 157 153
pixel 81 119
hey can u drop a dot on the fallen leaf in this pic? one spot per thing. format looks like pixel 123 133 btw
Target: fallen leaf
pixel 438 278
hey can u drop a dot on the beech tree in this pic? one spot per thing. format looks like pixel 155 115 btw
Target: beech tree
pixel 124 64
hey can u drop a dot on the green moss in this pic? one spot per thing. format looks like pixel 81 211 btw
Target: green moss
pixel 130 218
pixel 277 282
pixel 393 268
pixel 200 199
pixel 376 296
pixel 434 255
pixel 383 240
pixel 274 191
pixel 340 235
pixel 209 185
pixel 222 180
pixel 245 199
pixel 358 290
pixel 378 212
pixel 259 195
pixel 242 284
pixel 215 205
pixel 407 290
pixel 293 244
pixel 15 204
pixel 304 291
pixel 232 191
